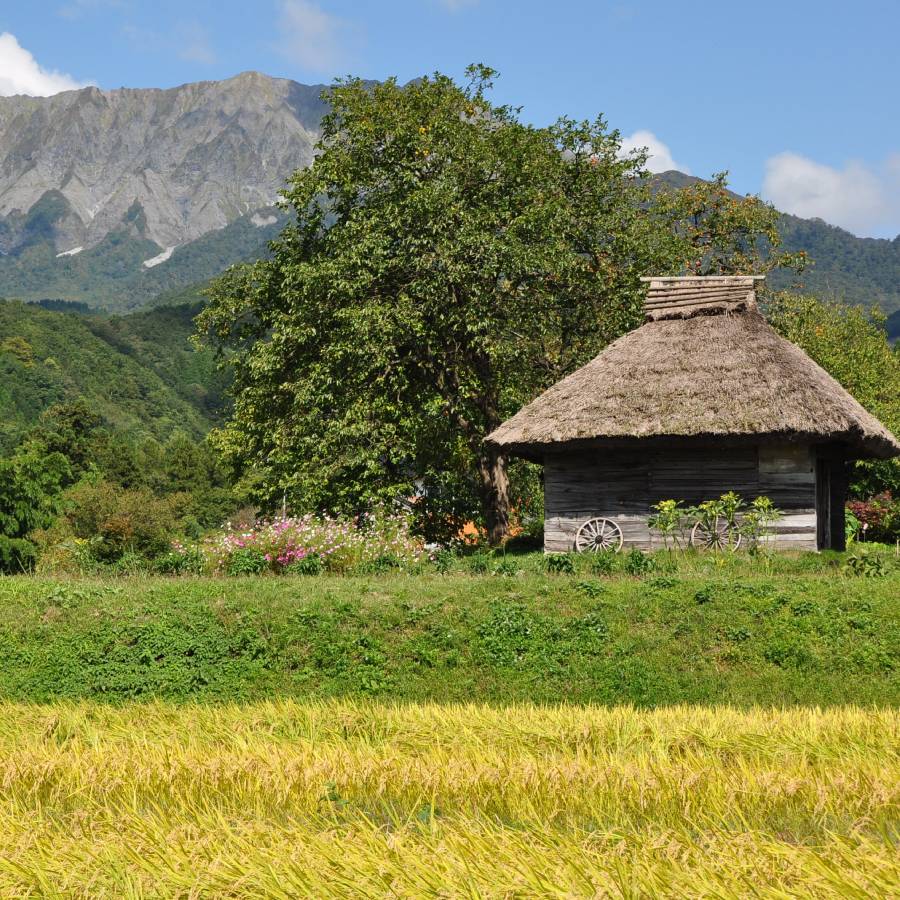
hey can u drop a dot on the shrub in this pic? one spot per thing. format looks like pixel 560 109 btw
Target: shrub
pixel 180 560
pixel 879 518
pixel 442 560
pixel 310 565
pixel 246 561
pixel 117 521
pixel 603 563
pixel 865 563
pixel 560 563
pixel 637 563
pixel 506 567
pixel 16 555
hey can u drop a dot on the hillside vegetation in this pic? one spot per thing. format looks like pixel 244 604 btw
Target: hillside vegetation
pixel 111 276
pixel 139 373
pixel 338 799
pixel 842 266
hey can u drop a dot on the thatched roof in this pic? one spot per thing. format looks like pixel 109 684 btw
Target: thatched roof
pixel 705 366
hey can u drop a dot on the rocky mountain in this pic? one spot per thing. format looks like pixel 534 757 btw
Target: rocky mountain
pixel 115 198
pixel 171 164
pixel 100 190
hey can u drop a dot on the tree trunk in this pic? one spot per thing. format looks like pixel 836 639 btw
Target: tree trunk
pixel 494 493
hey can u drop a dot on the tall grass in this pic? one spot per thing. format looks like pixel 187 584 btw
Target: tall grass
pixel 336 799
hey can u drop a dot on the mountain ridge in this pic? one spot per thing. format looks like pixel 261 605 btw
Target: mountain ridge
pixel 193 158
pixel 115 198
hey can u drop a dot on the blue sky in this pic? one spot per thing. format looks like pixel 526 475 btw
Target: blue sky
pixel 799 100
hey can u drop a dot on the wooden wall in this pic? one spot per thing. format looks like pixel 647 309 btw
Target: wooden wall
pixel 623 485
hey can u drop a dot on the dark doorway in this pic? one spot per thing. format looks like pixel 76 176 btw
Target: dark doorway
pixel 831 495
pixel 823 504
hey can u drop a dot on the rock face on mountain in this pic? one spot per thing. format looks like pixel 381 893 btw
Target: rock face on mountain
pixel 165 166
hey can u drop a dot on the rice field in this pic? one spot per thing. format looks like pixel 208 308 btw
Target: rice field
pixel 360 799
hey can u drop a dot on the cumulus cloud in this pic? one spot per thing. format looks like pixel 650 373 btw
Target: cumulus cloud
pixel 659 158
pixel 861 198
pixel 21 74
pixel 310 37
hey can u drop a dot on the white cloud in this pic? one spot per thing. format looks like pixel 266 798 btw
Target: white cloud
pixel 194 43
pixel 659 158
pixel 21 74
pixel 861 198
pixel 310 37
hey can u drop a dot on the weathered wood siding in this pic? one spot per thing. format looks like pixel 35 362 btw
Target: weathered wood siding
pixel 623 485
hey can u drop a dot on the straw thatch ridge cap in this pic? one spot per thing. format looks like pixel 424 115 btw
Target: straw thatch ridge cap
pixel 725 376
pixel 686 296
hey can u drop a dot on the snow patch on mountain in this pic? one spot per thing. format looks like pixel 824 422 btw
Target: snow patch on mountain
pixel 161 258
pixel 260 221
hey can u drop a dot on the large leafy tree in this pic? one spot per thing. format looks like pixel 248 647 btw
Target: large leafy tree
pixel 31 483
pixel 851 344
pixel 446 263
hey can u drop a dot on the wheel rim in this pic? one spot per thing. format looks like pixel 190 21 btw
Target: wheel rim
pixel 717 535
pixel 598 535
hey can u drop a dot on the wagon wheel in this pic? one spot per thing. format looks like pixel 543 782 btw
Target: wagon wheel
pixel 716 535
pixel 599 535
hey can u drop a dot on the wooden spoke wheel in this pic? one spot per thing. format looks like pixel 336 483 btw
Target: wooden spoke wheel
pixel 599 536
pixel 716 535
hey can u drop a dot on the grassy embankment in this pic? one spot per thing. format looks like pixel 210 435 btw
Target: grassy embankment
pixel 336 799
pixel 733 636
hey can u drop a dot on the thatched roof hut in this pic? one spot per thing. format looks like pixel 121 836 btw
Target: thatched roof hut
pixel 705 372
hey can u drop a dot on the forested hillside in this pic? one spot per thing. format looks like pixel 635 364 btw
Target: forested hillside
pixel 111 275
pixel 139 372
pixel 842 266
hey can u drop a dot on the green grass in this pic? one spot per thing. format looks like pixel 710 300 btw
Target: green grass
pixel 727 634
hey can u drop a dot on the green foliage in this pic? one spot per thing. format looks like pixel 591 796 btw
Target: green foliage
pixel 446 262
pixel 310 565
pixel 637 563
pixel 721 233
pixel 17 555
pixel 603 563
pixel 865 563
pixel 30 487
pixel 751 522
pixel 139 375
pixel 850 343
pixel 852 526
pixel 668 520
pixel 249 561
pixel 776 640
pixel 119 521
pixel 560 563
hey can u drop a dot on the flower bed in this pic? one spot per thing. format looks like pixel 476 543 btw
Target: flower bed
pixel 310 544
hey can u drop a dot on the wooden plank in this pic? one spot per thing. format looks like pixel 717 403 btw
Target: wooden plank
pixel 623 485
pixel 665 298
pixel 701 279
